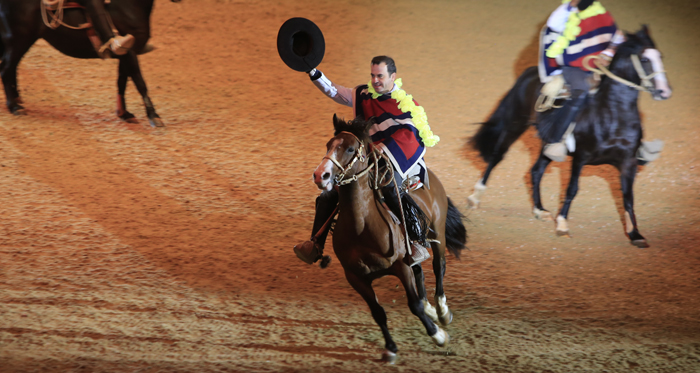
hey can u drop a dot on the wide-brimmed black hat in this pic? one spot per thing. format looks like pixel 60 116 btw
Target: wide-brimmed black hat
pixel 300 44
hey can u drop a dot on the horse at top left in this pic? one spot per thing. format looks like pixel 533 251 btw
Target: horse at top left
pixel 81 29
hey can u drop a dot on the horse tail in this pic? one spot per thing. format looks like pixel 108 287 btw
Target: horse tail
pixel 510 120
pixel 455 232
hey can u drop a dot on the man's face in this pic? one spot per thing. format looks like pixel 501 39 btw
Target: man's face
pixel 381 80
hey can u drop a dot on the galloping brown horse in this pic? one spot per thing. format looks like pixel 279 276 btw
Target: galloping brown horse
pixel 369 245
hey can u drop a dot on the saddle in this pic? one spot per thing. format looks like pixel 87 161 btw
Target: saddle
pixel 54 5
pixel 553 92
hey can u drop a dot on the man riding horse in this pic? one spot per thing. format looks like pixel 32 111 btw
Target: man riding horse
pixel 575 30
pixel 101 24
pixel 401 132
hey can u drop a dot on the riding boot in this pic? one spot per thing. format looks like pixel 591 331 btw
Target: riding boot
pixel 118 44
pixel 555 148
pixel 414 227
pixel 312 250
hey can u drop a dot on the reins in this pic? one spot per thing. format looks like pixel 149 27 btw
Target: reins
pixel 379 181
pixel 54 8
pixel 599 68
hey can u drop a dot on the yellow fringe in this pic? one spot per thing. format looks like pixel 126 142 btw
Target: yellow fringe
pixel 406 104
pixel 572 29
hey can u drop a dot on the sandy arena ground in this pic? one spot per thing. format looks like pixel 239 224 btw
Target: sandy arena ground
pixel 125 248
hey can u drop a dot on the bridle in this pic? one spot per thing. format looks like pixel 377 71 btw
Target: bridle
pixel 646 79
pixel 359 155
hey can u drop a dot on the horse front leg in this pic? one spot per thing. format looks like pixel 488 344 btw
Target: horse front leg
pixel 13 53
pixel 364 288
pixel 627 175
pixel 439 268
pixel 571 190
pixel 132 63
pixel 536 173
pixel 405 274
pixel 474 199
pixel 422 294
pixel 122 79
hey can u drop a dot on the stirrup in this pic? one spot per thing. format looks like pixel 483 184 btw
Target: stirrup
pixel 308 252
pixel 556 152
pixel 419 254
pixel 119 45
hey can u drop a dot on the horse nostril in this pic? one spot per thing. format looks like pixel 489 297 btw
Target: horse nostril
pixel 326 176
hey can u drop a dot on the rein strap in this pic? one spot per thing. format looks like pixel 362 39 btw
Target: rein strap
pixel 599 68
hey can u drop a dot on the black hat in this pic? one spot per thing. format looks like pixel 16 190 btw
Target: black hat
pixel 300 44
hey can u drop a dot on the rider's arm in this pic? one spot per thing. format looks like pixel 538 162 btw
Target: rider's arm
pixel 337 93
pixel 557 20
pixel 617 39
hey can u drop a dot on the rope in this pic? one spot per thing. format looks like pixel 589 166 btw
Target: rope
pixel 601 69
pixel 57 15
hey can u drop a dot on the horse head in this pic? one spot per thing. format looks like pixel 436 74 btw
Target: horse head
pixel 638 61
pixel 346 153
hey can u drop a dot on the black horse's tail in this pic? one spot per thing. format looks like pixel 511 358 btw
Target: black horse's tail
pixel 510 120
pixel 455 232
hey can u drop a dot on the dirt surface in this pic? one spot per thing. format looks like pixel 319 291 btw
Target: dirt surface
pixel 125 248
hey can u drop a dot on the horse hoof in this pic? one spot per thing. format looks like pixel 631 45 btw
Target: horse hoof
pixel 446 319
pixel 543 215
pixel 441 338
pixel 388 357
pixel 642 244
pixel 472 202
pixel 127 117
pixel 563 234
pixel 17 110
pixel 156 122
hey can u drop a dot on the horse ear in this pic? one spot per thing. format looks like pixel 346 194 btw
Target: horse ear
pixel 369 123
pixel 645 30
pixel 336 122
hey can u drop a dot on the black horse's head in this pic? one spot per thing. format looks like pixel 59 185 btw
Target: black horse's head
pixel 640 47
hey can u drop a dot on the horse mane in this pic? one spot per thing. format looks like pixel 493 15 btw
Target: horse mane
pixel 621 64
pixel 634 43
pixel 358 127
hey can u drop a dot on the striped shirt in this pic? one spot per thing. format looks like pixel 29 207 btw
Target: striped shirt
pixel 393 133
pixel 596 34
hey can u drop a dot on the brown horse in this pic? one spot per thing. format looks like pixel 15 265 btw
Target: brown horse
pixel 367 242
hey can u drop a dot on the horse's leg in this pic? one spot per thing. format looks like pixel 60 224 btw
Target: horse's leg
pixel 13 53
pixel 135 72
pixel 123 78
pixel 439 268
pixel 422 294
pixel 571 190
pixel 364 288
pixel 480 187
pixel 405 274
pixel 536 173
pixel 628 173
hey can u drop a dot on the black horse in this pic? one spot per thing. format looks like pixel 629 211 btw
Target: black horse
pixel 21 25
pixel 608 129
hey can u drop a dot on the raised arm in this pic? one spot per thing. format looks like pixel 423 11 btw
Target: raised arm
pixel 337 93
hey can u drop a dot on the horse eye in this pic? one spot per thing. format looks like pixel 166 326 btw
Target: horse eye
pixel 351 150
pixel 645 60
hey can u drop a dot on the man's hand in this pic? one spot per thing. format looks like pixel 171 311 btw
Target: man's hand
pixel 606 56
pixel 314 74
